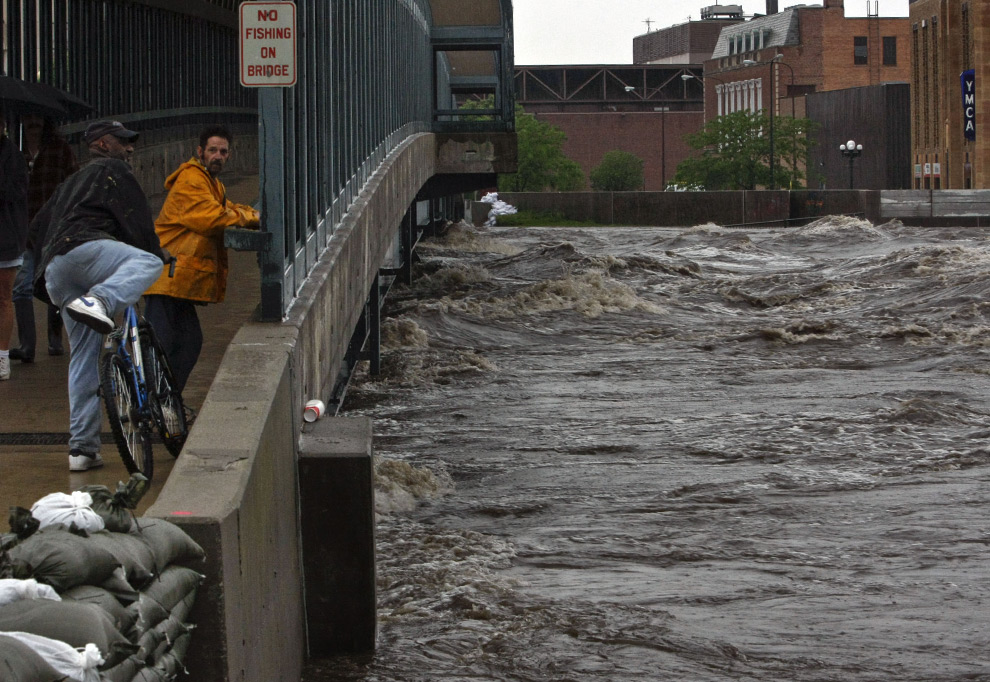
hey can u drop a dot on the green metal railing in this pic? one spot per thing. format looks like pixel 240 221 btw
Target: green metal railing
pixel 370 73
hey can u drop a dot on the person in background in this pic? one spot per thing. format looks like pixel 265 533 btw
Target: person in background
pixel 50 161
pixel 191 226
pixel 13 235
pixel 99 253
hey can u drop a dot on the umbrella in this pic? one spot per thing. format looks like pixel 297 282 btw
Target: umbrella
pixel 26 98
pixel 74 106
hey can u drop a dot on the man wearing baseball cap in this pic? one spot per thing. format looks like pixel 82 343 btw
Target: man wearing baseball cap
pixel 98 254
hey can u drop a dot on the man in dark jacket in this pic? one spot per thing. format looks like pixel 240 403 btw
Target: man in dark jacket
pixel 50 161
pixel 99 252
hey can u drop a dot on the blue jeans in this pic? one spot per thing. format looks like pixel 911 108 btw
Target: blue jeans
pixel 117 274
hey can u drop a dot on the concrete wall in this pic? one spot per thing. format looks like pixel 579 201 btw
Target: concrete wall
pixel 234 488
pixel 769 208
pixel 659 208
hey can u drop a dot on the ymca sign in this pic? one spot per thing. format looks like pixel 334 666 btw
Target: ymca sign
pixel 968 79
pixel 268 44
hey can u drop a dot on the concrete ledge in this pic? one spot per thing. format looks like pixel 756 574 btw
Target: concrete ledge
pixel 233 490
pixel 337 516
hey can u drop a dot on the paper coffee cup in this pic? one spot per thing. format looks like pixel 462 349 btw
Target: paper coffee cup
pixel 314 410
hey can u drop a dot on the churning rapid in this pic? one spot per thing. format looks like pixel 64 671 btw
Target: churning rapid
pixel 685 454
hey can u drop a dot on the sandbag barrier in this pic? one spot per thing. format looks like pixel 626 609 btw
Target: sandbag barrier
pixel 90 593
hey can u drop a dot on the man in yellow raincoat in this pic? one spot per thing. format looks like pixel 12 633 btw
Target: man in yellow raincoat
pixel 191 225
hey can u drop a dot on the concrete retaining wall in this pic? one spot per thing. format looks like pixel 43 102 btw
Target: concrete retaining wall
pixel 234 487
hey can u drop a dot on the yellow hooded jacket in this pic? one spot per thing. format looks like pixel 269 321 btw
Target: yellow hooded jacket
pixel 190 226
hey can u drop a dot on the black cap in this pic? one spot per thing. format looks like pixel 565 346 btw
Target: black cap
pixel 98 129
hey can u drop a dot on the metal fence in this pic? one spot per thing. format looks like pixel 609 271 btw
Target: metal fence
pixel 128 58
pixel 360 90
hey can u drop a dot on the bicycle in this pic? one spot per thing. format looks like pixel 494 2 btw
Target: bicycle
pixel 139 393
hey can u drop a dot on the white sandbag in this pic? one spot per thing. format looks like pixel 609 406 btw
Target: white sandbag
pixel 59 508
pixel 79 665
pixel 12 590
pixel 499 207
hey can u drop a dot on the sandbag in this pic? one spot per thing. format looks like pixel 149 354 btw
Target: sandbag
pixel 124 671
pixel 157 641
pixel 119 587
pixel 122 618
pixel 22 525
pixel 173 585
pixel 63 560
pixel 151 675
pixel 170 544
pixel 131 553
pixel 75 623
pixel 147 613
pixel 149 643
pixel 172 661
pixel 21 663
pixel 67 510
pixel 81 666
pixel 12 589
pixel 116 508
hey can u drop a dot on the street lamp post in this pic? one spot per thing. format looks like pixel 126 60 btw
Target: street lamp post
pixel 790 92
pixel 773 105
pixel 663 145
pixel 851 150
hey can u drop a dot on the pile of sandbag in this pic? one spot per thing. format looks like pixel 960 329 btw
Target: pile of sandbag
pixel 498 207
pixel 90 593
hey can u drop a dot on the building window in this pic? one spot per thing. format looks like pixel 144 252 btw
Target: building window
pixel 890 51
pixel 859 50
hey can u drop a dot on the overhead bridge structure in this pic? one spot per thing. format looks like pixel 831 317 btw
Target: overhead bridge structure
pixel 366 152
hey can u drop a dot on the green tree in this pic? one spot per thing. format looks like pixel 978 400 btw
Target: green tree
pixel 542 165
pixel 619 171
pixel 735 152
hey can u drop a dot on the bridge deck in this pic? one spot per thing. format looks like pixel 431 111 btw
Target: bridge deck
pixel 34 403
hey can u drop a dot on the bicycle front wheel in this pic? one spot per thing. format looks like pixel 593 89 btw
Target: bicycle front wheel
pixel 166 401
pixel 131 433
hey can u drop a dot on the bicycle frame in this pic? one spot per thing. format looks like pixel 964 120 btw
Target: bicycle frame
pixel 134 360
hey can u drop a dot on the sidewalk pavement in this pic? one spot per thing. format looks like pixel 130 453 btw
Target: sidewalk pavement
pixel 34 403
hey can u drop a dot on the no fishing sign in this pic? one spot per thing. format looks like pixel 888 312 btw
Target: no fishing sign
pixel 268 44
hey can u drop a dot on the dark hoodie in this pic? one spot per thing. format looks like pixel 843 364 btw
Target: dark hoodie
pixel 102 200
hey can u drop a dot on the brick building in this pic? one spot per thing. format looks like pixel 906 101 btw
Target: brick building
pixel 645 110
pixel 815 49
pixel 689 43
pixel 949 44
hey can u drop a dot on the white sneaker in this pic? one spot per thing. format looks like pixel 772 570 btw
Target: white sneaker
pixel 4 368
pixel 84 462
pixel 89 311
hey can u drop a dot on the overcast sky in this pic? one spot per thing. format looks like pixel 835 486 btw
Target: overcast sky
pixel 601 31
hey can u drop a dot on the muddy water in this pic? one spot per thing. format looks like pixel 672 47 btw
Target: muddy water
pixel 703 454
